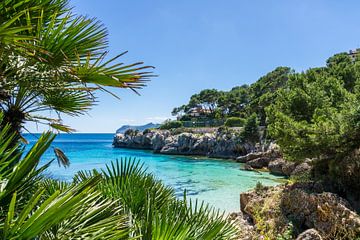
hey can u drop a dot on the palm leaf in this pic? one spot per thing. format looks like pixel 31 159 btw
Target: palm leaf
pixel 61 157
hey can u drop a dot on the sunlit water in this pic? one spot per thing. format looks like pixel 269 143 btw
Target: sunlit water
pixel 218 182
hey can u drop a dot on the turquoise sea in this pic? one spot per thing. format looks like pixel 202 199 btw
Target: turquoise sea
pixel 218 182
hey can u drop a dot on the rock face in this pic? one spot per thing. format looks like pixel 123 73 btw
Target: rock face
pixel 219 143
pixel 322 215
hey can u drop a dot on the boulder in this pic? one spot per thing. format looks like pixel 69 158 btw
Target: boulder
pixel 301 169
pixel 249 157
pixel 310 234
pixel 276 166
pixel 259 162
pixel 288 168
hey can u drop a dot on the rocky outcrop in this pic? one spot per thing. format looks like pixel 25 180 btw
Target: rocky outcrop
pixel 272 160
pixel 304 208
pixel 218 143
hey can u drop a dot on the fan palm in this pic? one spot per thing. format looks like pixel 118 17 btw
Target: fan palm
pixel 153 209
pixel 52 59
pixel 119 202
pixel 30 208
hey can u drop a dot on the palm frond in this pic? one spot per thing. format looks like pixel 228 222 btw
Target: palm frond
pixel 61 157
pixel 110 73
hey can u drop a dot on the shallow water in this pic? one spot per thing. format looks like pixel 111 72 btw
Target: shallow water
pixel 218 182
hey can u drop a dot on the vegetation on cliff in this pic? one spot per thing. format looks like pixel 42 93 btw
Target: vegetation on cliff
pixel 317 116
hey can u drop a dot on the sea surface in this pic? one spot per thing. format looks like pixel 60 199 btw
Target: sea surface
pixel 215 181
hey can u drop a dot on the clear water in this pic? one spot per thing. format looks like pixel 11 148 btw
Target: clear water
pixel 217 182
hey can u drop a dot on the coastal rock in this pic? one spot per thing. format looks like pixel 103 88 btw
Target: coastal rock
pixel 276 166
pixel 259 162
pixel 248 157
pixel 301 169
pixel 304 205
pixel 310 234
pixel 272 152
pixel 212 143
pixel 280 166
pixel 328 213
pixel 246 230
pixel 158 139
pixel 288 168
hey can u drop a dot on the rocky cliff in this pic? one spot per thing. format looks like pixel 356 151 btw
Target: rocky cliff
pixel 222 143
pixel 217 143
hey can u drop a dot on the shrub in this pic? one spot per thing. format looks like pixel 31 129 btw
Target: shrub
pixel 251 129
pixel 259 187
pixel 146 131
pixel 171 124
pixel 234 122
pixel 131 132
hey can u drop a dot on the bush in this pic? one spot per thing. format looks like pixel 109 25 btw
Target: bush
pixel 251 129
pixel 131 132
pixel 234 122
pixel 171 124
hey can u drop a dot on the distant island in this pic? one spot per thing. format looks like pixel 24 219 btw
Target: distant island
pixel 123 128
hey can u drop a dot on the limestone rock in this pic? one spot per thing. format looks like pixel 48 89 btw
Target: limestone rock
pixel 310 234
pixel 301 169
pixel 288 168
pixel 218 143
pixel 276 166
pixel 259 162
pixel 328 213
pixel 306 206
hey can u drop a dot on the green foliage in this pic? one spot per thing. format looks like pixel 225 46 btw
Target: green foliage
pixel 259 187
pixel 288 234
pixel 29 210
pixel 121 201
pixel 313 115
pixel 131 132
pixel 251 129
pixel 264 91
pixel 171 124
pixel 234 122
pixel 233 103
pixel 153 208
pixel 240 101
pixel 317 116
pixel 54 59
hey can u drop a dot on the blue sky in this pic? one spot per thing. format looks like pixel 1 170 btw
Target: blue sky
pixel 210 44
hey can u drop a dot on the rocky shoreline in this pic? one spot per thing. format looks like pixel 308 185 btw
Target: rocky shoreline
pixel 305 210
pixel 215 143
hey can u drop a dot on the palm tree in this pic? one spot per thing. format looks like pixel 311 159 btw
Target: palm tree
pixel 55 60
pixel 31 209
pixel 119 202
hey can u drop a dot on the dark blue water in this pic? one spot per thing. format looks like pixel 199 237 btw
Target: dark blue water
pixel 218 182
